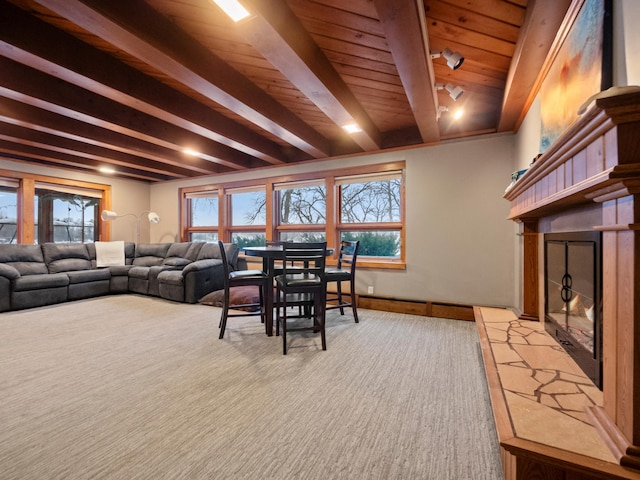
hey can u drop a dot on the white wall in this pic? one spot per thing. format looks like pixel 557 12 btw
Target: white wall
pixel 459 244
pixel 127 196
pixel 626 14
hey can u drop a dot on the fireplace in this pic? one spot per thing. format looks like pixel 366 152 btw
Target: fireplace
pixel 573 297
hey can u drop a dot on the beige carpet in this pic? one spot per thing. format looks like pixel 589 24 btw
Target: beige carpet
pixel 132 387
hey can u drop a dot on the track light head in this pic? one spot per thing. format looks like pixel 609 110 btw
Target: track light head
pixel 454 59
pixel 455 92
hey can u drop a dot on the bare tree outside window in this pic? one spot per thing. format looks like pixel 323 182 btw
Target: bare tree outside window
pixel 303 206
pixel 376 201
pixel 204 211
pixel 8 215
pixel 367 202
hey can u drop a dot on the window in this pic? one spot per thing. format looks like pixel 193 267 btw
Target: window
pixel 65 217
pixel 203 215
pixel 38 209
pixel 248 216
pixel 360 203
pixel 302 211
pixel 8 211
pixel 371 212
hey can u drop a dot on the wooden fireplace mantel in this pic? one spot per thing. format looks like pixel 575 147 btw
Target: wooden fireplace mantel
pixel 598 160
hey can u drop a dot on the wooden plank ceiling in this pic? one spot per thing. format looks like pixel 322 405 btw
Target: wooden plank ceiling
pixel 131 84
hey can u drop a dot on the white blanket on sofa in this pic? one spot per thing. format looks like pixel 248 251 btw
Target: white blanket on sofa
pixel 109 253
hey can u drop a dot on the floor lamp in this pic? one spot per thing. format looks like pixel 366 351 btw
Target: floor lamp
pixel 109 215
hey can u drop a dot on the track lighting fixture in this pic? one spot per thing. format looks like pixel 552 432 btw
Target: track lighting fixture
pixel 454 59
pixel 454 92
pixel 441 109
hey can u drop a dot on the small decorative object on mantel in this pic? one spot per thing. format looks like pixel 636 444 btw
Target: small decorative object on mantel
pixel 514 178
pixel 534 159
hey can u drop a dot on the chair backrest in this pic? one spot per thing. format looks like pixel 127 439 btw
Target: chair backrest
pixel 308 258
pixel 348 255
pixel 225 263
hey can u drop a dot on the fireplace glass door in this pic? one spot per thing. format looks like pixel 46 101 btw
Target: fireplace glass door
pixel 572 297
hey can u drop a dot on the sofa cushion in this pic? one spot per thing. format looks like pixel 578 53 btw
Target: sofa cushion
pixel 182 253
pixel 211 250
pixel 82 276
pixel 66 257
pixel 139 271
pixel 26 259
pixel 150 254
pixel 38 282
pixel 176 262
pixel 119 270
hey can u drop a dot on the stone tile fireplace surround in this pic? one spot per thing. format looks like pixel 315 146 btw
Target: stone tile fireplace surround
pixel 590 179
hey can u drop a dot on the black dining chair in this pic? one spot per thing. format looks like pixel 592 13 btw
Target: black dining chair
pixel 344 271
pixel 241 278
pixel 301 284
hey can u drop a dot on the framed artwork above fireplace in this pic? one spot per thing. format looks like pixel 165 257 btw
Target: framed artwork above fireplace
pixel 581 67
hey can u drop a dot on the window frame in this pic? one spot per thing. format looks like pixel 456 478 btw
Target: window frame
pixel 333 228
pixel 26 193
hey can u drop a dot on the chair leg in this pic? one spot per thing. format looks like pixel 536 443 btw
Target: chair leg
pixel 225 314
pixel 284 328
pixel 319 316
pixel 339 291
pixel 352 297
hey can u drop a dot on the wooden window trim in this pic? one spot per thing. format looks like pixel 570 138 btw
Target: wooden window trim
pixel 332 227
pixel 26 201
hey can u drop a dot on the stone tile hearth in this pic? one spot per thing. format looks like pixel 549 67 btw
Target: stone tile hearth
pixel 545 391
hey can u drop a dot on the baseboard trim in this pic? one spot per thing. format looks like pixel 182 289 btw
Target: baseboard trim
pixel 426 308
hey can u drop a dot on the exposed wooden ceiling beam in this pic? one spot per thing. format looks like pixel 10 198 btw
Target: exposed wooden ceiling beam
pixel 60 54
pixel 405 31
pixel 35 154
pixel 37 89
pixel 37 138
pixel 16 113
pixel 139 30
pixel 281 38
pixel 541 25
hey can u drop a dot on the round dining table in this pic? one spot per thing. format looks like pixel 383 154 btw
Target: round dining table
pixel 269 256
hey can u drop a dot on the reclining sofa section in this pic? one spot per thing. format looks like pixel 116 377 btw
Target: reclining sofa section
pixel 38 275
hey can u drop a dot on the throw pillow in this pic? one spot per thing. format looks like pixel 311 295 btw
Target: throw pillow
pixel 237 296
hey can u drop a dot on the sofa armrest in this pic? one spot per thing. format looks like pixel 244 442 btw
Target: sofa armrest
pixel 202 277
pixel 9 272
pixel 5 294
pixel 201 265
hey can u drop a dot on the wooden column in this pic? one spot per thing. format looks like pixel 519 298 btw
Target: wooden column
pixel 26 216
pixel 530 271
pixel 618 420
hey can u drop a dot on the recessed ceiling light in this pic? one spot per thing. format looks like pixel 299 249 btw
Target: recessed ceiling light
pixel 107 170
pixel 233 8
pixel 352 128
pixel 191 152
pixel 458 114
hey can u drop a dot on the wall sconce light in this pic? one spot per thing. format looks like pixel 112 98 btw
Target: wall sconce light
pixel 454 59
pixel 454 92
pixel 110 215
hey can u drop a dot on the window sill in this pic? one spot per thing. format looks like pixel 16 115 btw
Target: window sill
pixel 378 263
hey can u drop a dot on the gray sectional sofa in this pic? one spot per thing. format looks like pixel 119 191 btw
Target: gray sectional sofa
pixel 37 275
